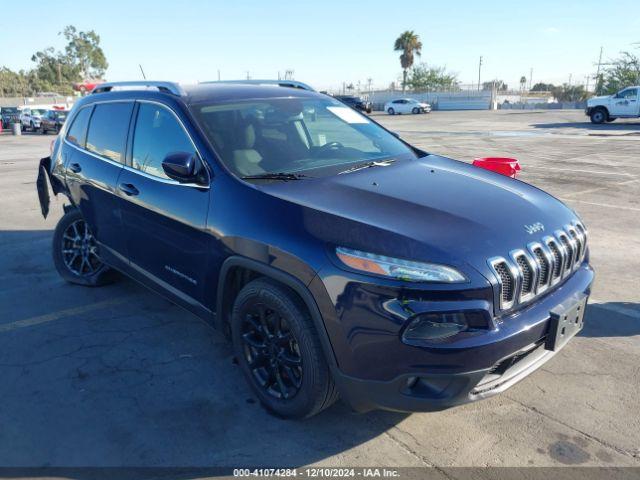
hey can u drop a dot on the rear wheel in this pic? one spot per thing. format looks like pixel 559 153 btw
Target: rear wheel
pixel 279 351
pixel 599 115
pixel 75 252
pixel 391 111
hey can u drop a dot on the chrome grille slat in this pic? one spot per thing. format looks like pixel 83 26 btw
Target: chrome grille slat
pixel 524 274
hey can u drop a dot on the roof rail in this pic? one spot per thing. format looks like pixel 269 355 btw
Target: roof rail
pixel 280 83
pixel 167 87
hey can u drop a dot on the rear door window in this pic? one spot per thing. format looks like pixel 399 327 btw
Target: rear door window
pixel 157 134
pixel 77 134
pixel 108 130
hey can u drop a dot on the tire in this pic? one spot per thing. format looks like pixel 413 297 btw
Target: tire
pixel 391 111
pixel 32 127
pixel 42 129
pixel 415 110
pixel 71 236
pixel 22 127
pixel 611 119
pixel 599 115
pixel 285 367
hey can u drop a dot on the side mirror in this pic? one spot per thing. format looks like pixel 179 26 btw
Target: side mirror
pixel 180 166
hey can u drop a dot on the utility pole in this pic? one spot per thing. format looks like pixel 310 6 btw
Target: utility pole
pixel 530 78
pixel 479 70
pixel 218 74
pixel 248 76
pixel 570 76
pixel 597 89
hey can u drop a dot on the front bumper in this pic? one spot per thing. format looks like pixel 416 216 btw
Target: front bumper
pixel 472 371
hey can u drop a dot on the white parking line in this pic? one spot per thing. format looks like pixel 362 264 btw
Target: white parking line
pixel 62 314
pixel 598 189
pixel 569 170
pixel 606 205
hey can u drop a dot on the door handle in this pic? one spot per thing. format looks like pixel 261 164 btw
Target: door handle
pixel 75 168
pixel 128 189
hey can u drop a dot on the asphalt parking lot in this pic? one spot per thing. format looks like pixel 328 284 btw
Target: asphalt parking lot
pixel 118 376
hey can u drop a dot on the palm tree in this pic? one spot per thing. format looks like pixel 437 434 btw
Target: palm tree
pixel 523 83
pixel 409 44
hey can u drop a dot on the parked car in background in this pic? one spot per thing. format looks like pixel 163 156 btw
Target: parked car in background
pixel 624 104
pixel 9 115
pixel 30 118
pixel 53 120
pixel 337 257
pixel 406 105
pixel 355 102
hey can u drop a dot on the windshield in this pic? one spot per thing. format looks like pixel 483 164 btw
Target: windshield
pixel 36 111
pixel 292 135
pixel 9 110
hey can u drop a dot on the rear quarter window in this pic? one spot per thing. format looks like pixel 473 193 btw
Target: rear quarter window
pixel 108 130
pixel 77 134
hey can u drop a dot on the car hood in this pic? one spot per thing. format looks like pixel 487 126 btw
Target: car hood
pixel 432 209
pixel 594 100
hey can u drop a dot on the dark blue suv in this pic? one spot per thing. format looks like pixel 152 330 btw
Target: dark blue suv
pixel 340 260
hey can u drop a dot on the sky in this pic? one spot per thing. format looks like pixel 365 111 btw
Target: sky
pixel 329 42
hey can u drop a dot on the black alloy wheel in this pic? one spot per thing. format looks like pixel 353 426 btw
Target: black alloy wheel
pixel 271 352
pixel 279 351
pixel 76 254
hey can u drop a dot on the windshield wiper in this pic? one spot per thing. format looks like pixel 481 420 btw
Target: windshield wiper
pixel 374 163
pixel 275 176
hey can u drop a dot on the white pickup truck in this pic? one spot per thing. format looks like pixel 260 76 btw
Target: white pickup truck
pixel 624 104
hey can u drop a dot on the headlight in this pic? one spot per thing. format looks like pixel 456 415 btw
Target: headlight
pixel 398 268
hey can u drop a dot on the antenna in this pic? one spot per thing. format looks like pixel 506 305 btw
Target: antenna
pixel 143 75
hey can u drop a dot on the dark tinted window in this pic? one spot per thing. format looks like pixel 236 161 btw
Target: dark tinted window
pixel 77 134
pixel 157 134
pixel 108 130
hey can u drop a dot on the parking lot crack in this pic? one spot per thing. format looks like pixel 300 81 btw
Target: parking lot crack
pixel 603 443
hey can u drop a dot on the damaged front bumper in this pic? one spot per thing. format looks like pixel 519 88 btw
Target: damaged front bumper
pixel 45 178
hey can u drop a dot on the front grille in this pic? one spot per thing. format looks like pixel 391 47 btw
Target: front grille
pixel 557 260
pixel 507 282
pixel 525 274
pixel 568 265
pixel 544 269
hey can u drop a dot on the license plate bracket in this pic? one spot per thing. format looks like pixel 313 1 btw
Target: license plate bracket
pixel 567 319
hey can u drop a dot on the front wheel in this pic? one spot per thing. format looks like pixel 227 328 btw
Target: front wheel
pixel 391 111
pixel 279 351
pixel 598 116
pixel 415 110
pixel 75 252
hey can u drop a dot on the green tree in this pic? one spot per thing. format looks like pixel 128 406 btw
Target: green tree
pixel 542 87
pixel 569 93
pixel 81 59
pixel 623 72
pixel 84 52
pixel 499 84
pixel 425 77
pixel 410 45
pixel 13 84
pixel 523 83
